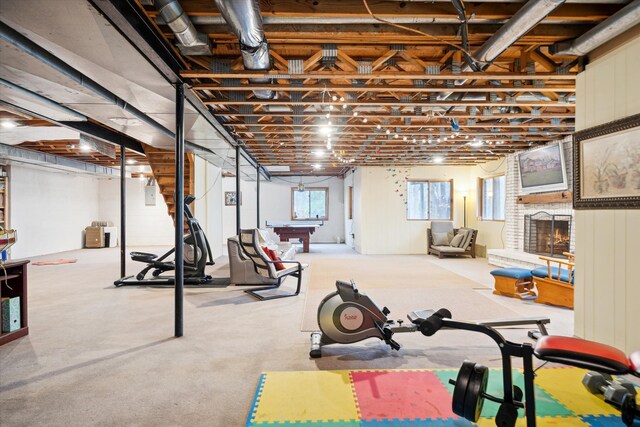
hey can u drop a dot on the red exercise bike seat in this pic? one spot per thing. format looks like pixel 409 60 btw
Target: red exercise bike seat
pixel 587 354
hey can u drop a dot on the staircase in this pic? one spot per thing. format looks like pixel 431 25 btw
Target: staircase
pixel 163 167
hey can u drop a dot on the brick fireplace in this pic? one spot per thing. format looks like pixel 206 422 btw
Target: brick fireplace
pixel 515 234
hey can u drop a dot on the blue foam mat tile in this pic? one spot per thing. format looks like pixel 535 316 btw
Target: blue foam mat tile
pixel 606 421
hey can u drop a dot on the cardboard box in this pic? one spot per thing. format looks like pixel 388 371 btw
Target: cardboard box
pixel 94 237
pixel 10 314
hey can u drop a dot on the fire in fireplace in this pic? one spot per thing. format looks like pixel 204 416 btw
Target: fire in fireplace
pixel 547 234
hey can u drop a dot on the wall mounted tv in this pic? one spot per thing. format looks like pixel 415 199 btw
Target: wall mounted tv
pixel 543 169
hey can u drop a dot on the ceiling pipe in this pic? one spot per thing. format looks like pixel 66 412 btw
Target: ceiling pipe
pixel 190 41
pixel 527 17
pixel 611 27
pixel 243 16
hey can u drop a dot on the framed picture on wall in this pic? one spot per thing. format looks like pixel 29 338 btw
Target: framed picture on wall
pixel 607 166
pixel 230 198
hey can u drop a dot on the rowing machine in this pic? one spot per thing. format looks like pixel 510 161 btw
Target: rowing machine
pixel 347 316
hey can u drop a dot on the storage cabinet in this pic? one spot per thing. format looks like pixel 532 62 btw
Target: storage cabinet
pixel 14 284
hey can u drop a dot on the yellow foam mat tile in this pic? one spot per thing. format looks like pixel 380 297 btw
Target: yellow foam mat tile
pixel 306 397
pixel 540 422
pixel 565 385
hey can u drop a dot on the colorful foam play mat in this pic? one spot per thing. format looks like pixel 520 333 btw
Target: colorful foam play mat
pixel 393 398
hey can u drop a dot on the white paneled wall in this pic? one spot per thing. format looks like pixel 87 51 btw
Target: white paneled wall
pixel 607 289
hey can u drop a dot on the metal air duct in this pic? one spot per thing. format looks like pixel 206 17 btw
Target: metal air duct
pixel 614 25
pixel 246 23
pixel 190 41
pixel 527 17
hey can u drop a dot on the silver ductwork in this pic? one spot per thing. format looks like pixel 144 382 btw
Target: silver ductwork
pixel 190 41
pixel 246 23
pixel 527 17
pixel 611 27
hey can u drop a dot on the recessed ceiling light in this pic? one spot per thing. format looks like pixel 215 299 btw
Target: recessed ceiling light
pixel 387 131
pixel 438 159
pixel 85 148
pixel 131 162
pixel 318 153
pixel 317 166
pixel 365 120
pixel 355 114
pixel 335 98
pixel 8 124
pixel 378 126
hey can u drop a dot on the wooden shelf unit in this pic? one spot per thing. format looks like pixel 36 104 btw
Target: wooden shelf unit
pixel 4 202
pixel 11 286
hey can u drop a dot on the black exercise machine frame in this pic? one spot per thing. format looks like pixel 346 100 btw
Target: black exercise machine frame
pixel 198 240
pixel 508 349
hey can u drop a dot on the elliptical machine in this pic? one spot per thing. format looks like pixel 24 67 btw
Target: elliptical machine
pixel 348 316
pixel 197 255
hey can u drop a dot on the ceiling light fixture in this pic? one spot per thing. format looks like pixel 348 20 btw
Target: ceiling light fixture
pixel 8 124
pixel 85 148
pixel 438 159
pixel 378 127
pixel 131 162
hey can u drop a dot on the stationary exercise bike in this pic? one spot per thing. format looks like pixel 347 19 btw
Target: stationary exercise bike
pixel 470 385
pixel 197 255
pixel 347 316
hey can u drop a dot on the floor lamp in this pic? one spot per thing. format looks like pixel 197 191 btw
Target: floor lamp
pixel 464 198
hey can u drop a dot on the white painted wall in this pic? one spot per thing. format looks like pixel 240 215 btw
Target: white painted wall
pixel 348 222
pixel 248 206
pixel 208 204
pixel 275 205
pixel 490 233
pixel 608 241
pixel 384 228
pixel 50 209
pixel 146 225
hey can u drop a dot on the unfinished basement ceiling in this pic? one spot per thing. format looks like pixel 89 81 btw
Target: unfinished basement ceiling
pixel 75 32
pixel 352 90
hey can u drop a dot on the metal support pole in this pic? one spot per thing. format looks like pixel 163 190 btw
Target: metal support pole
pixel 179 211
pixel 258 196
pixel 238 190
pixel 123 213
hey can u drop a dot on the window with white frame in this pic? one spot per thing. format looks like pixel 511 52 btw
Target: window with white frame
pixel 492 202
pixel 429 200
pixel 310 204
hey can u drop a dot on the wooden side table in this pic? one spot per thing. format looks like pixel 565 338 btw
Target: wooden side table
pixel 14 284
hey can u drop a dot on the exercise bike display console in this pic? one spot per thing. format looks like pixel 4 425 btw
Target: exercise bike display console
pixel 348 316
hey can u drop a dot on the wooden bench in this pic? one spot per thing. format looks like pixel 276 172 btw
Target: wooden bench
pixel 556 288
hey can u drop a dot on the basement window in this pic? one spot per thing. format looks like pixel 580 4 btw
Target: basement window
pixel 493 198
pixel 310 204
pixel 429 200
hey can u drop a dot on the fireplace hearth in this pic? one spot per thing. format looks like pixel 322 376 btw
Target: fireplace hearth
pixel 546 234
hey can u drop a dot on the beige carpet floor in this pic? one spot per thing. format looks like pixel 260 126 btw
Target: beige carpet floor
pixel 388 271
pixel 402 283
